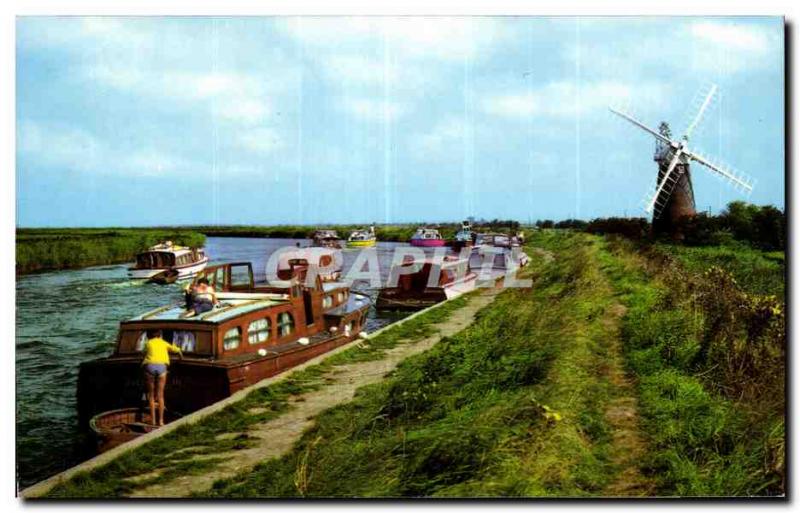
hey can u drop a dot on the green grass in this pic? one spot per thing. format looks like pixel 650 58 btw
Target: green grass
pixel 56 248
pixel 712 429
pixel 756 271
pixel 511 406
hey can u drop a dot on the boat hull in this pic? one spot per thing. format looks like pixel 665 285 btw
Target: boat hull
pixel 117 382
pixel 183 272
pixel 427 243
pixel 397 299
pixel 360 243
pixel 115 427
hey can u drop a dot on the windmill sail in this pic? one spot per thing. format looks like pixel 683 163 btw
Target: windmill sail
pixel 740 181
pixel 679 156
pixel 656 201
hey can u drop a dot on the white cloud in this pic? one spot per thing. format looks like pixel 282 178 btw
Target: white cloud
pixel 359 70
pixel 262 140
pixel 410 57
pixel 446 134
pixel 735 36
pixel 373 109
pixel 72 149
pixel 728 48
pixel 564 99
pixel 443 38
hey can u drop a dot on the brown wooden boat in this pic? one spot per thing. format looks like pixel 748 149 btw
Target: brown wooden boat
pixel 326 239
pixel 115 427
pixel 257 331
pixel 165 277
pixel 451 278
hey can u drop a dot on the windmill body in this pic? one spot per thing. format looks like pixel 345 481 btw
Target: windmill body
pixel 680 203
pixel 673 195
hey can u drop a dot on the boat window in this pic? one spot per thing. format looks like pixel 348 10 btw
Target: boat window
pixel 285 324
pixel 258 331
pixel 219 277
pixel 185 340
pixel 340 297
pixel 141 341
pixel 133 341
pixel 232 338
pixel 240 276
pixel 327 302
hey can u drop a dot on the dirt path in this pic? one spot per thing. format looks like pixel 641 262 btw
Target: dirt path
pixel 622 414
pixel 276 437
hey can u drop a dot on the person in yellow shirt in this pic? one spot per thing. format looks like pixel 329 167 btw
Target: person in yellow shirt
pixel 156 360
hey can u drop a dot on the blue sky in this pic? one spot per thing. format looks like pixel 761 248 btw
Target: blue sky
pixel 156 121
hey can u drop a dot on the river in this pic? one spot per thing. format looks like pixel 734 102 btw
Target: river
pixel 67 317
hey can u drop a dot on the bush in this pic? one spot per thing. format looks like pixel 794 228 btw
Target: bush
pixel 632 228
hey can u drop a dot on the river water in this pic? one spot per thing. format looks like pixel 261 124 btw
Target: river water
pixel 67 317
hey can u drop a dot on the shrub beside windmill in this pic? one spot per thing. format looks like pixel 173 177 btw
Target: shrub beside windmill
pixel 673 195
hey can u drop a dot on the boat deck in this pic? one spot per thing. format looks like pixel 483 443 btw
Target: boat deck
pixel 354 303
pixel 230 305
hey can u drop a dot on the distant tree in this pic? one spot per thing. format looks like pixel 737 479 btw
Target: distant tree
pixel 769 225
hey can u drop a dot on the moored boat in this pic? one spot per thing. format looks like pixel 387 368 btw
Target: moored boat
pixel 115 427
pixel 326 239
pixel 465 237
pixel 257 331
pixel 326 262
pixel 427 238
pixel 362 238
pixel 497 240
pixel 436 280
pixel 168 257
pixel 492 263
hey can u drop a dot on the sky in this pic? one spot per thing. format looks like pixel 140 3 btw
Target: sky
pixel 143 121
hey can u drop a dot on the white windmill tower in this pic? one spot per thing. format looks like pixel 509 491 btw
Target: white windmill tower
pixel 673 193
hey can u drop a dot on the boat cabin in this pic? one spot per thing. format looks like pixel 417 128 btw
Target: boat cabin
pixel 327 263
pixel 256 331
pixel 436 280
pixel 168 257
pixel 326 239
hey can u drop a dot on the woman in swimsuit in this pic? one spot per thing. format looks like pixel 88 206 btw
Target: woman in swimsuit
pixel 155 363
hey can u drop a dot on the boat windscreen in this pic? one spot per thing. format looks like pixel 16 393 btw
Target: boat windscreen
pixel 132 341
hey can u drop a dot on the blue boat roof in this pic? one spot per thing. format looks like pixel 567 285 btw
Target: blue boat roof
pixel 227 310
pixel 354 302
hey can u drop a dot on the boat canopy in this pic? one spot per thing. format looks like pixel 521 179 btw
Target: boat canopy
pixel 427 233
pixel 357 235
pixel 326 234
pixel 228 309
pixel 327 261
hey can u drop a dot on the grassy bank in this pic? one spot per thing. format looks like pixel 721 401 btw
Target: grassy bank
pixel 511 406
pixel 40 249
pixel 709 357
pixel 756 271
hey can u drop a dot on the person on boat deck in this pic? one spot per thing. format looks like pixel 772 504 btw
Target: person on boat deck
pixel 156 360
pixel 201 298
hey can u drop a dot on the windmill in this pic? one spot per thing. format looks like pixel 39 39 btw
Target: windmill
pixel 673 195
